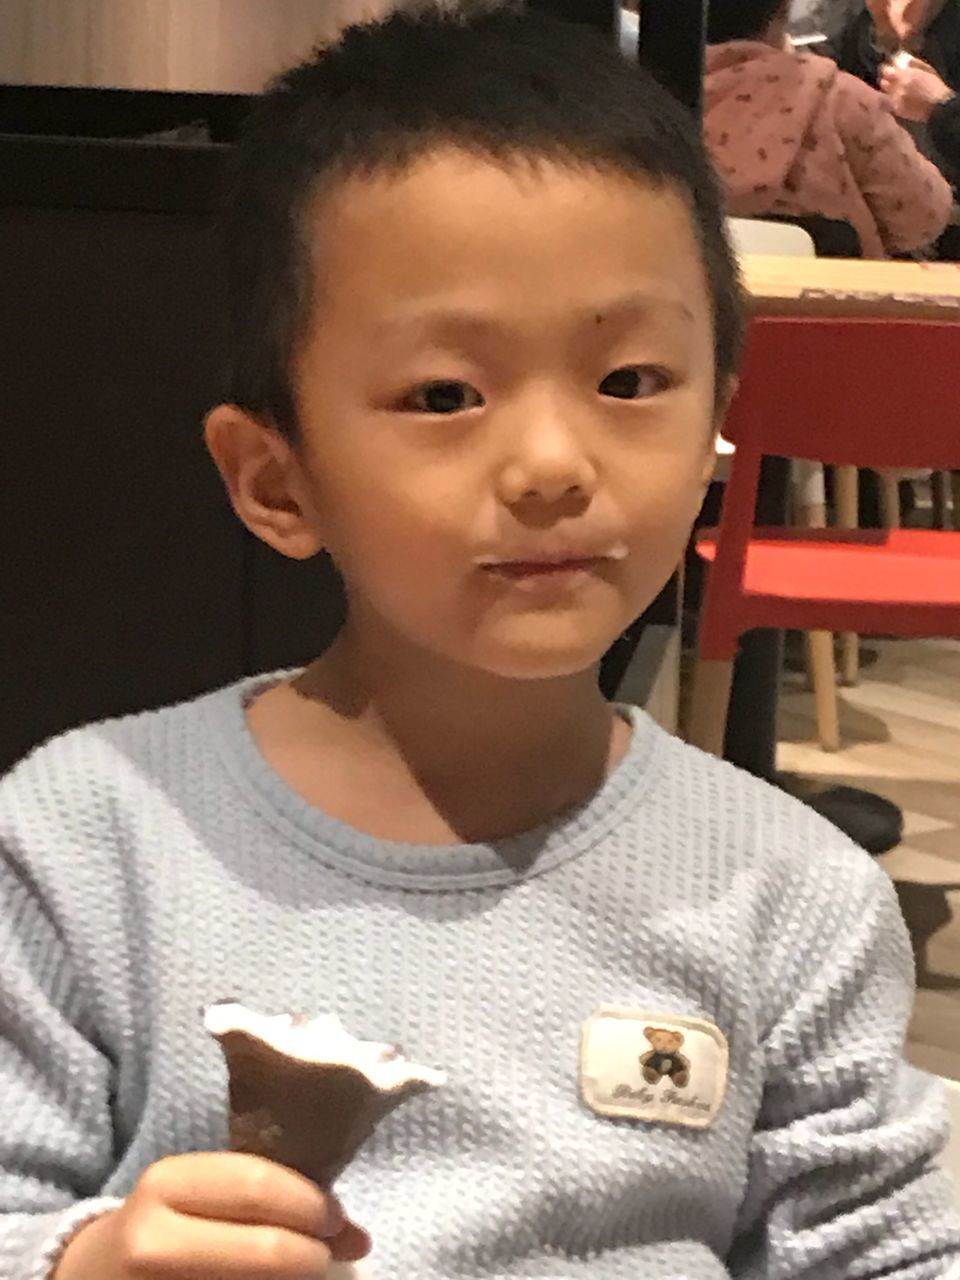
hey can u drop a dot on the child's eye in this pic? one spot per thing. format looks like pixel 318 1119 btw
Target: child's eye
pixel 634 382
pixel 442 398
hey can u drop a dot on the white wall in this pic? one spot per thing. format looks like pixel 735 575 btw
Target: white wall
pixel 225 45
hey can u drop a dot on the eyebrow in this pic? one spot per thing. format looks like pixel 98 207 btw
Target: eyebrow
pixel 637 305
pixel 644 306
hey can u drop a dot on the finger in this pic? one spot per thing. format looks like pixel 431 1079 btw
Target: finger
pixel 231 1187
pixel 194 1249
pixel 351 1244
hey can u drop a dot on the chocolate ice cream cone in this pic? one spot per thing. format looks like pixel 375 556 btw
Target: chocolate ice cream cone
pixel 304 1106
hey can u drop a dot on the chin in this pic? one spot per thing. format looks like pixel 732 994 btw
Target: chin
pixel 540 663
pixel 544 647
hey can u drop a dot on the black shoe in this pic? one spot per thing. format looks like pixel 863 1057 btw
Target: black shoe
pixel 871 821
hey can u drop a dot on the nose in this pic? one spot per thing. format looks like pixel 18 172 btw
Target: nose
pixel 546 463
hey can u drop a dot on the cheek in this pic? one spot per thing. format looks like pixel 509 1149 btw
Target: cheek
pixel 667 494
pixel 389 540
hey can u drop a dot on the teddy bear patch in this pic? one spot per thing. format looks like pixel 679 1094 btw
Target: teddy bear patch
pixel 645 1065
pixel 665 1059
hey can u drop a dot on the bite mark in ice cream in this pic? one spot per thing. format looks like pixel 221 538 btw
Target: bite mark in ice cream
pixel 304 1091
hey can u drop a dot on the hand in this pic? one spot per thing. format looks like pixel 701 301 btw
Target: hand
pixel 214 1216
pixel 914 89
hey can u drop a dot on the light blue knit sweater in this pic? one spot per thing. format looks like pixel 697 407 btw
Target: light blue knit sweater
pixel 151 865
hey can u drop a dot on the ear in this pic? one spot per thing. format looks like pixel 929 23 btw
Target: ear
pixel 678 1038
pixel 726 390
pixel 649 1032
pixel 263 478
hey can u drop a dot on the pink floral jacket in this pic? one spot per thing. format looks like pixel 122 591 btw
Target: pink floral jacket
pixel 792 134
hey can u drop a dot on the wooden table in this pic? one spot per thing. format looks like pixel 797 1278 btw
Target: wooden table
pixel 841 287
pixel 849 287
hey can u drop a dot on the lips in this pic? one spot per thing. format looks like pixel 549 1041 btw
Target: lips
pixel 543 568
pixel 557 562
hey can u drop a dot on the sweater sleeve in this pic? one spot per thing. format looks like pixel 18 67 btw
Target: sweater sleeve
pixel 843 1181
pixel 908 196
pixel 56 1139
pixel 945 130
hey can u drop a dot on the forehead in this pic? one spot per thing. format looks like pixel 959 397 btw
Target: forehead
pixel 529 241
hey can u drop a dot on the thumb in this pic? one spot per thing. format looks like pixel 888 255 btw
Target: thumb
pixel 350 1244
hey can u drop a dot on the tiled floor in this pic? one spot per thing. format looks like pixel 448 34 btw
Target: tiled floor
pixel 901 738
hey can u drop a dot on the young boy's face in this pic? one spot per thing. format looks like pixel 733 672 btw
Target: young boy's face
pixel 506 406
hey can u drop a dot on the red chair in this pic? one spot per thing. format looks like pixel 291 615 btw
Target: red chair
pixel 855 392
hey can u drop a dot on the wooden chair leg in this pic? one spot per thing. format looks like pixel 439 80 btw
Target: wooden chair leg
pixel 707 718
pixel 849 659
pixel 824 678
pixel 890 499
pixel 847 484
pixel 820 659
pixel 848 517
pixel 812 517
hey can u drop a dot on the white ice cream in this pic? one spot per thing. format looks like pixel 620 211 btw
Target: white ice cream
pixel 323 1039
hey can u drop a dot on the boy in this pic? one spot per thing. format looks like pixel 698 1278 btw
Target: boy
pixel 486 326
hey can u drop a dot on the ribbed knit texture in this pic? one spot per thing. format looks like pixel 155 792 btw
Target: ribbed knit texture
pixel 151 865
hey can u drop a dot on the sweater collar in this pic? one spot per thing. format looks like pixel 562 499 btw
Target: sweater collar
pixel 423 867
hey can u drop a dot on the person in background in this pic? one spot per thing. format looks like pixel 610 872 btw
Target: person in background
pixel 791 135
pixel 918 94
pixel 926 29
pixel 929 29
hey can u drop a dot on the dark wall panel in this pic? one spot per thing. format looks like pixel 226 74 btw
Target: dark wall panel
pixel 120 561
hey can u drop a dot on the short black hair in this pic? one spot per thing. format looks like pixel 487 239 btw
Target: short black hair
pixel 501 84
pixel 740 19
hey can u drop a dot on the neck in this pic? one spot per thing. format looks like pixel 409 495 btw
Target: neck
pixel 423 702
pixel 493 755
